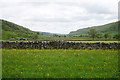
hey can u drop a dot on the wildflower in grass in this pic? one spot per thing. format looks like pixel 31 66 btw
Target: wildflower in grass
pixel 92 68
pixel 70 66
pixel 8 71
pixel 48 74
pixel 16 68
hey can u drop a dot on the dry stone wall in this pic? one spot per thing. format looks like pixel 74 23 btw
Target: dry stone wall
pixel 58 45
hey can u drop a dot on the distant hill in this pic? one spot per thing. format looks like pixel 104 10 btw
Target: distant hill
pixel 111 28
pixel 12 30
pixel 51 34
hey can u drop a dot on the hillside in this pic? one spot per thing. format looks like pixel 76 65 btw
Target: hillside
pixel 111 28
pixel 12 30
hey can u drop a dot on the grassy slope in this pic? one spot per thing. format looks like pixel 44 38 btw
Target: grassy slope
pixel 60 63
pixel 111 28
pixel 11 30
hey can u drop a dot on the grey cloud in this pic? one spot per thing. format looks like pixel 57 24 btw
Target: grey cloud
pixel 46 20
pixel 98 9
pixel 72 19
pixel 90 7
pixel 62 18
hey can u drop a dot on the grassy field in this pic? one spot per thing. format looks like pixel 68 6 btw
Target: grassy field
pixel 32 63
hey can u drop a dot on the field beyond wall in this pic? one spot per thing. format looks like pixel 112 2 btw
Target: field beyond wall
pixel 34 63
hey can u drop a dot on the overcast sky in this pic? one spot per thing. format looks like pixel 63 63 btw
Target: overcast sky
pixel 59 16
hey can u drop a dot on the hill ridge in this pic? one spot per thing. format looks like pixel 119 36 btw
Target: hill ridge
pixel 109 28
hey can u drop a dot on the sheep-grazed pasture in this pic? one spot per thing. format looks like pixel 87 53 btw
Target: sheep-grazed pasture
pixel 59 63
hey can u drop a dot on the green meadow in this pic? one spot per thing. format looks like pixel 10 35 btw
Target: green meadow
pixel 34 63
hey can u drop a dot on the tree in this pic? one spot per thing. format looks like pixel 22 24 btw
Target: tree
pixel 117 37
pixel 80 36
pixel 64 35
pixel 92 33
pixel 99 36
pixel 106 36
pixel 38 33
pixel 59 36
